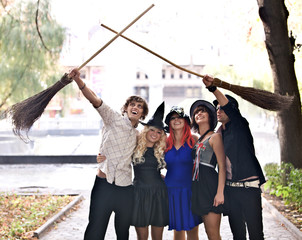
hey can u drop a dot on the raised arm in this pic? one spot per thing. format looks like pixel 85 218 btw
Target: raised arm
pixel 87 92
pixel 208 82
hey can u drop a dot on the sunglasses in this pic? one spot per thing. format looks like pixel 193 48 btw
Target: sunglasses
pixel 219 108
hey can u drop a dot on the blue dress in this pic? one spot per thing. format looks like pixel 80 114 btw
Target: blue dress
pixel 179 181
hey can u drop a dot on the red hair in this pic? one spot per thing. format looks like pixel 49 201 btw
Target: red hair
pixel 186 137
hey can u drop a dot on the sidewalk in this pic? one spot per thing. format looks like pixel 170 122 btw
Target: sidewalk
pixel 73 227
pixel 79 178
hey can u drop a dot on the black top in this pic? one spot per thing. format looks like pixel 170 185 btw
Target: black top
pixel 147 173
pixel 151 204
pixel 239 146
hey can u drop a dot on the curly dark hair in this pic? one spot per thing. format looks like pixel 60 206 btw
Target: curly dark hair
pixel 136 99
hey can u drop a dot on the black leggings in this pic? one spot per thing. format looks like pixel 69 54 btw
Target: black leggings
pixel 105 199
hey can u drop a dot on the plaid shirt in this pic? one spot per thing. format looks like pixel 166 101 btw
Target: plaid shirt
pixel 118 142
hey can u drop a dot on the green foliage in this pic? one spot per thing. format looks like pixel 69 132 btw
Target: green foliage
pixel 285 181
pixel 26 66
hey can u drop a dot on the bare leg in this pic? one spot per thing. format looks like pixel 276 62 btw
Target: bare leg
pixel 193 234
pixel 212 225
pixel 157 233
pixel 179 235
pixel 142 233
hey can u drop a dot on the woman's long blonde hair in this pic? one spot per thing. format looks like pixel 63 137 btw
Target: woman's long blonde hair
pixel 141 148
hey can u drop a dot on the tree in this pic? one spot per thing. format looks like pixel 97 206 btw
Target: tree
pixel 30 44
pixel 280 46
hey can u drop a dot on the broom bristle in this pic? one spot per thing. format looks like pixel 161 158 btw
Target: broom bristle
pixel 25 113
pixel 261 98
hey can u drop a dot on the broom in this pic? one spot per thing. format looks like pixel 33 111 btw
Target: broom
pixel 258 97
pixel 25 113
pixel 261 98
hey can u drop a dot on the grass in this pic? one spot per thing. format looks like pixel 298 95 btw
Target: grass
pixel 21 215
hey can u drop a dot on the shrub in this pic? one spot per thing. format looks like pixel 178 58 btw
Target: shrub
pixel 285 181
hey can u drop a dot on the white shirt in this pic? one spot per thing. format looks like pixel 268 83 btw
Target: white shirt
pixel 118 142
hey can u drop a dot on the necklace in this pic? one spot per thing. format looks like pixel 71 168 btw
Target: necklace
pixel 203 135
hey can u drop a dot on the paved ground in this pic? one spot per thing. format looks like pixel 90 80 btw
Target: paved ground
pixel 70 178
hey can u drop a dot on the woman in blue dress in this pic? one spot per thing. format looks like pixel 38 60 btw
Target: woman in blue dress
pixel 179 175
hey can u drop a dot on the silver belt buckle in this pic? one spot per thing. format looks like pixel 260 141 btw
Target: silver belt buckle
pixel 254 184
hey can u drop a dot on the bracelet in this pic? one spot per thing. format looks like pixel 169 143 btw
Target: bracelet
pixel 212 88
pixel 81 88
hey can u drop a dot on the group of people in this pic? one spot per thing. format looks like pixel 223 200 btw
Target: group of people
pixel 208 173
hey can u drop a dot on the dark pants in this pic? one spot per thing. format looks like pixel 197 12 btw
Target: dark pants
pixel 245 211
pixel 105 199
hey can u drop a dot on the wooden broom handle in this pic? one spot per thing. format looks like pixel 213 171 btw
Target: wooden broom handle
pixel 157 55
pixel 115 37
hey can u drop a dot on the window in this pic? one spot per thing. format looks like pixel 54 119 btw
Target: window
pixel 143 92
pixel 182 92
pixel 174 92
pixel 189 93
pixel 193 92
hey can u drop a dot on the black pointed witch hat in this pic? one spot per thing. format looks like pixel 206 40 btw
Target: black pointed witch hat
pixel 157 119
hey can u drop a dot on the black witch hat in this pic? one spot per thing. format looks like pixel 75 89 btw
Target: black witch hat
pixel 157 119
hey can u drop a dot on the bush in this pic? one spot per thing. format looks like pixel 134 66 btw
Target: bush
pixel 285 181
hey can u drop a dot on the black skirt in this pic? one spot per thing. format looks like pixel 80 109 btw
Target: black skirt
pixel 204 191
pixel 151 203
pixel 150 206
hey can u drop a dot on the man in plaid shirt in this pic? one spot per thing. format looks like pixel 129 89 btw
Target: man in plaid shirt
pixel 113 190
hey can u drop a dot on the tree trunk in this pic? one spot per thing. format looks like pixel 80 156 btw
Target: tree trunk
pixel 274 14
